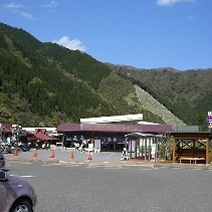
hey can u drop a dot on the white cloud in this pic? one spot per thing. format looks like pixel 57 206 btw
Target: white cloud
pixel 13 6
pixel 50 4
pixel 171 2
pixel 26 15
pixel 70 44
pixel 190 17
pixel 16 8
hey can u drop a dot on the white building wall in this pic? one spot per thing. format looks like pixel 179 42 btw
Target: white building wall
pixel 113 119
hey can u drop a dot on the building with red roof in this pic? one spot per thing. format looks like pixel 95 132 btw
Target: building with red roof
pixel 112 133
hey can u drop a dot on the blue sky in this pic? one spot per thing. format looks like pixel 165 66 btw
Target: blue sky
pixel 139 33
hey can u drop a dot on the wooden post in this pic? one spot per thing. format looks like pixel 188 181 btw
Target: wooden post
pixel 142 148
pixel 138 147
pixel 145 153
pixel 130 148
pixel 207 151
pixel 149 149
pixel 174 150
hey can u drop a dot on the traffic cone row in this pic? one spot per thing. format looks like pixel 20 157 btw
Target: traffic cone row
pixel 72 156
pixel 35 154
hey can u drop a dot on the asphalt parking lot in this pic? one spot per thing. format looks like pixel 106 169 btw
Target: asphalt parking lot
pixel 65 156
pixel 71 188
pixel 106 159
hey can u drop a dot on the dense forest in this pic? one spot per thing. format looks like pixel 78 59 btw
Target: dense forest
pixel 44 84
pixel 188 94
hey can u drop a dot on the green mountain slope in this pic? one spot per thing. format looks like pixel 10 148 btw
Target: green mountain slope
pixel 37 89
pixel 44 84
pixel 187 94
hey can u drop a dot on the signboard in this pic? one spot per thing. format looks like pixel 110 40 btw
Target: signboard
pixel 209 119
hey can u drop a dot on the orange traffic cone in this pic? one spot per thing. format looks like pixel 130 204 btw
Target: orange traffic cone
pixel 16 152
pixel 89 156
pixel 52 154
pixel 72 155
pixel 35 155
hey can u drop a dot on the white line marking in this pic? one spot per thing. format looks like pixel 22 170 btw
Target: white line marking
pixel 109 156
pixel 22 176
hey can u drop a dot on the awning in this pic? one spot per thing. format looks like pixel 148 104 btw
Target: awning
pixel 39 136
pixel 43 137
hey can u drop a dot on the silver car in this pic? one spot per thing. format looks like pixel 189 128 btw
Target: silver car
pixel 16 195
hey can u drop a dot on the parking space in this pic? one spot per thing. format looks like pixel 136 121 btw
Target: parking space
pixel 94 189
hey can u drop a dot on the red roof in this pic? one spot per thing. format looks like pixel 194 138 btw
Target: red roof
pixel 39 135
pixel 122 128
pixel 43 137
pixel 66 127
pixel 31 137
pixel 7 128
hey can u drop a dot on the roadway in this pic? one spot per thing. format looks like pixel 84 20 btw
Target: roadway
pixel 73 188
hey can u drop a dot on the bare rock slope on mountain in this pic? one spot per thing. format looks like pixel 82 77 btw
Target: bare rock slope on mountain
pixel 151 104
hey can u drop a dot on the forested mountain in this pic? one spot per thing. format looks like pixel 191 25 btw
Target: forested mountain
pixel 188 94
pixel 44 84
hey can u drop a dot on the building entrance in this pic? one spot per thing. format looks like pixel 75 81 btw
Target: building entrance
pixel 116 147
pixel 114 143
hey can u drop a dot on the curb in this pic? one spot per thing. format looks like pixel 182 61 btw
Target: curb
pixel 184 166
pixel 101 163
pixel 25 159
pixel 89 163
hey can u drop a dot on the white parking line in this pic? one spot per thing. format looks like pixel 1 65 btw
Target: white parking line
pixel 176 168
pixel 109 156
pixel 22 176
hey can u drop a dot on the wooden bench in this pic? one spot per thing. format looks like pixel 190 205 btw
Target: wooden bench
pixel 191 159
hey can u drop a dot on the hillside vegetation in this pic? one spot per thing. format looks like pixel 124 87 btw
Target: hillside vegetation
pixel 44 84
pixel 186 94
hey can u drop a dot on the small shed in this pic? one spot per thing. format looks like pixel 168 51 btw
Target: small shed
pixel 192 147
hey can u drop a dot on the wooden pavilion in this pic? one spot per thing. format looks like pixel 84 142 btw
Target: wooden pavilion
pixel 192 147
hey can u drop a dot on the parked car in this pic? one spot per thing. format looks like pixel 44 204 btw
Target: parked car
pixel 2 161
pixel 16 195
